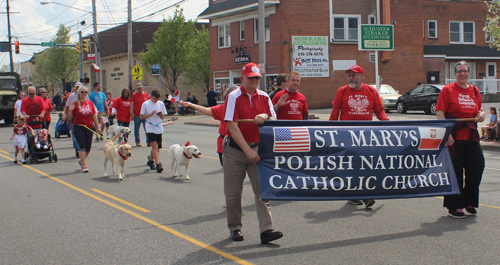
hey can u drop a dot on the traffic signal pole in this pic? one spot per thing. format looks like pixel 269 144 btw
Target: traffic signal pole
pixel 10 37
pixel 81 54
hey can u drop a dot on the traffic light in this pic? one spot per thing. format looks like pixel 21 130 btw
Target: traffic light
pixel 17 47
pixel 86 45
pixel 78 47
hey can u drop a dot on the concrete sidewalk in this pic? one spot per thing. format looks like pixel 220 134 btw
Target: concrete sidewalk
pixel 324 115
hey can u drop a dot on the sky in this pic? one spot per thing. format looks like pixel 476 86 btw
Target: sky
pixel 32 22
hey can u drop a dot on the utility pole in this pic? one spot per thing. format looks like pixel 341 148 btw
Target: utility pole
pixel 10 38
pixel 129 35
pixel 262 43
pixel 80 39
pixel 96 42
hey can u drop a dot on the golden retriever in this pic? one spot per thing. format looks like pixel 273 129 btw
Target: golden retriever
pixel 117 154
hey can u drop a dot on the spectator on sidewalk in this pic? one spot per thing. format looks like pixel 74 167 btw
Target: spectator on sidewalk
pixel 136 100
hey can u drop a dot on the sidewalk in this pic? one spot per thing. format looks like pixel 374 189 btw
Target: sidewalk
pixel 324 115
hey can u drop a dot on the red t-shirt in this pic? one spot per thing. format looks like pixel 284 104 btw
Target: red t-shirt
pixel 33 108
pixel 110 103
pixel 218 114
pixel 295 107
pixel 122 109
pixel 138 99
pixel 21 130
pixel 82 115
pixel 357 104
pixel 240 105
pixel 48 109
pixel 461 103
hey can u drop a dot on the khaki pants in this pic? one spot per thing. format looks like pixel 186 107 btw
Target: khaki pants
pixel 236 166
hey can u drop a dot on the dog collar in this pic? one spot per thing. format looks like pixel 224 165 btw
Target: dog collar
pixel 122 156
pixel 184 153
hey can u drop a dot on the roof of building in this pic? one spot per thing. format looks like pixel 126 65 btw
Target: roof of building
pixel 461 51
pixel 226 5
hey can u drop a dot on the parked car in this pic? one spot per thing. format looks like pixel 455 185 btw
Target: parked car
pixel 423 97
pixel 388 95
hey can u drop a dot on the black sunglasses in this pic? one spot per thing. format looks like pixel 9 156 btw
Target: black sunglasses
pixel 254 77
pixel 31 94
pixel 83 92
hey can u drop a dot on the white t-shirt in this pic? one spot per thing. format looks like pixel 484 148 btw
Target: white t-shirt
pixel 18 107
pixel 147 108
pixel 72 98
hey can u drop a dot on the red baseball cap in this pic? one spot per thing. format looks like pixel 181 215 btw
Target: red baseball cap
pixel 251 70
pixel 356 68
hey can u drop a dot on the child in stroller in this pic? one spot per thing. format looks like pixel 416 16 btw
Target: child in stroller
pixel 42 139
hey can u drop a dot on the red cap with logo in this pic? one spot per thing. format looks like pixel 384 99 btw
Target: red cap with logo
pixel 356 68
pixel 251 70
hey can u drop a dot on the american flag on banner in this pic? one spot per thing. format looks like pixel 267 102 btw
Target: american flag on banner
pixel 293 139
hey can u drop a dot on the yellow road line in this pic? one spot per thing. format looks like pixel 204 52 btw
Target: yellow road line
pixel 122 201
pixel 147 220
pixel 4 152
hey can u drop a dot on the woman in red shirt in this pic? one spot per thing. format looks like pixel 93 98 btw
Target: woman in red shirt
pixel 462 100
pixel 48 107
pixel 84 115
pixel 122 108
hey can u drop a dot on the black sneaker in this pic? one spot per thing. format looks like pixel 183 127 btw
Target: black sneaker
pixel 270 235
pixel 369 203
pixel 150 163
pixel 355 202
pixel 159 168
pixel 457 213
pixel 236 235
pixel 471 210
pixel 15 161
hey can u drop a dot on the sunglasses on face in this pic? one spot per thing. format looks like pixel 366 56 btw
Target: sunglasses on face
pixel 254 77
pixel 31 94
pixel 83 92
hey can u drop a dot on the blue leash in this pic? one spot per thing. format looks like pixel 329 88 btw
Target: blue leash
pixel 163 131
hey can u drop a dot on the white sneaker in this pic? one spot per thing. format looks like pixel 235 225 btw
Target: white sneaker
pixel 176 114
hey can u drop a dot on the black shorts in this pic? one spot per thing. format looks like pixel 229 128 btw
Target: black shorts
pixel 155 138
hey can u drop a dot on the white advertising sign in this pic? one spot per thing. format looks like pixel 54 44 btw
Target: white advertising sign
pixel 310 56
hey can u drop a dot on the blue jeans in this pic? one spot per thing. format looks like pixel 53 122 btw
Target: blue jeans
pixel 75 142
pixel 137 124
pixel 123 124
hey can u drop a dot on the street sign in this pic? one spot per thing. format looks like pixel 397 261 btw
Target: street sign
pixel 137 77
pixel 376 38
pixel 155 70
pixel 48 44
pixel 137 70
pixel 5 46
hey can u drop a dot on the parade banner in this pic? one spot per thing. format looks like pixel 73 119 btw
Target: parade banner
pixel 346 160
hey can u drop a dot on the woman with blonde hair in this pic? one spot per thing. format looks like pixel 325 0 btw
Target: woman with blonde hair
pixel 84 115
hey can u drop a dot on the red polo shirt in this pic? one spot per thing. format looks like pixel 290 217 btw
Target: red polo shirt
pixel 240 105
pixel 138 99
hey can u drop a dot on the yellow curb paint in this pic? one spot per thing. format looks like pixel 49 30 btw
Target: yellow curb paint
pixel 138 216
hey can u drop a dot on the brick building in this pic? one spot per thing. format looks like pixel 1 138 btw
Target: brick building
pixel 430 36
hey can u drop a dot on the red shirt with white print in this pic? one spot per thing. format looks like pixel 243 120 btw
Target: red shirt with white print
pixel 357 104
pixel 82 115
pixel 461 103
pixel 295 107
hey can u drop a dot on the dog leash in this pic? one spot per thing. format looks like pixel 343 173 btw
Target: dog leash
pixel 96 133
pixel 156 125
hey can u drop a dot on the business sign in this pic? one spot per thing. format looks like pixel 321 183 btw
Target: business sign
pixel 376 38
pixel 242 58
pixel 155 70
pixel 310 56
pixel 347 160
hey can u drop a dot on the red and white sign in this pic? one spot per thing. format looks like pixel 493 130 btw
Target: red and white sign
pixel 430 138
pixel 91 56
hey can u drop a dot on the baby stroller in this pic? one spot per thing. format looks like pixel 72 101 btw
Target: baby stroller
pixel 62 128
pixel 34 153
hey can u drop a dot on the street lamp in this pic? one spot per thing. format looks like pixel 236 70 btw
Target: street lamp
pixel 94 18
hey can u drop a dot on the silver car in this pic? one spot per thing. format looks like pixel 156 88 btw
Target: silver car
pixel 388 95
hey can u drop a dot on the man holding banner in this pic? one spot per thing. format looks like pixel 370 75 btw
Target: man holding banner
pixel 240 152
pixel 356 101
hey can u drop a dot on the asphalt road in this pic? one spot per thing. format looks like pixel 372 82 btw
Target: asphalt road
pixel 51 213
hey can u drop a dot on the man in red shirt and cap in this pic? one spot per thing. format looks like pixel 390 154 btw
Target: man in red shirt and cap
pixel 357 101
pixel 240 152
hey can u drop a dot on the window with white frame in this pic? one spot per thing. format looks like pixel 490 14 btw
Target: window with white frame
pixel 432 29
pixel 462 32
pixel 488 36
pixel 242 30
pixel 256 29
pixel 345 27
pixel 224 36
pixel 371 19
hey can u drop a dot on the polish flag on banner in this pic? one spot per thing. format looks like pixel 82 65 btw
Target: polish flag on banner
pixel 96 68
pixel 430 138
pixel 292 139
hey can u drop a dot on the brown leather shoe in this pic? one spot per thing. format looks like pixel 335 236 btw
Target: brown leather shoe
pixel 236 235
pixel 270 235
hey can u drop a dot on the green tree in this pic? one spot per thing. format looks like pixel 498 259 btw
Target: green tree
pixel 170 47
pixel 6 67
pixel 198 64
pixel 492 29
pixel 62 62
pixel 42 76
